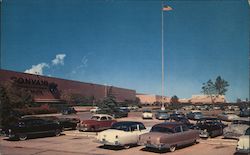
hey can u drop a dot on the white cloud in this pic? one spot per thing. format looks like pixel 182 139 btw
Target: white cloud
pixel 37 69
pixel 59 60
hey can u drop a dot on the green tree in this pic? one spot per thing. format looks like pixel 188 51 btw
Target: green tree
pixel 220 86
pixel 108 105
pixel 174 99
pixel 214 89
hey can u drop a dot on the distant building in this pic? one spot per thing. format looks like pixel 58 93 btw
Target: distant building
pixel 206 99
pixel 151 99
pixel 50 89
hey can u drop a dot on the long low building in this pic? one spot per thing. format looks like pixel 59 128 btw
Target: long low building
pixel 50 90
pixel 150 99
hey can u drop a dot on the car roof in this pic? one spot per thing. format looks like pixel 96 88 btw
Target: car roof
pixel 128 123
pixel 170 125
pixel 100 115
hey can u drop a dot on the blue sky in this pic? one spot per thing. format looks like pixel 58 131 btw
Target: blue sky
pixel 118 42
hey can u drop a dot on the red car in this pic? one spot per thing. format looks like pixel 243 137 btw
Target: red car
pixel 97 122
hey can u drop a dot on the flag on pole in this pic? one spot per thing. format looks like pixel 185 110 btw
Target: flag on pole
pixel 166 8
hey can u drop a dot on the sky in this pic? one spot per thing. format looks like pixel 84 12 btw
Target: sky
pixel 118 43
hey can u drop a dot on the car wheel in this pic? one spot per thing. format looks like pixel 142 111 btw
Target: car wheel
pixel 127 146
pixel 57 132
pixel 172 148
pixel 92 128
pixel 22 137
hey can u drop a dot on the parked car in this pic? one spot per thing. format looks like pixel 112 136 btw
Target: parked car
pixel 195 115
pixel 94 109
pixel 228 116
pixel 122 134
pixel 209 127
pixel 162 115
pixel 97 122
pixel 33 126
pixel 237 128
pixel 245 112
pixel 66 123
pixel 243 146
pixel 147 114
pixel 116 113
pixel 69 110
pixel 183 120
pixel 168 135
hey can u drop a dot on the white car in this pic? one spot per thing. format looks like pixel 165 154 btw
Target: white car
pixel 124 134
pixel 94 109
pixel 228 116
pixel 243 143
pixel 147 114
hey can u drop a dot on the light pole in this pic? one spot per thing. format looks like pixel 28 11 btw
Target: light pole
pixel 164 8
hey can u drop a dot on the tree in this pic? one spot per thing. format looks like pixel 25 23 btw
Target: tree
pixel 11 98
pixel 174 99
pixel 108 105
pixel 214 89
pixel 221 86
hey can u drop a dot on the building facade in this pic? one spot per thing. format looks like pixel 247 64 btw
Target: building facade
pixel 150 99
pixel 50 90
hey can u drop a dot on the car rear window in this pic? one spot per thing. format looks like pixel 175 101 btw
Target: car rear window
pixel 161 129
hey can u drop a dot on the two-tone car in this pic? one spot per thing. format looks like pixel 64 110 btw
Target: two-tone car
pixel 97 122
pixel 124 134
pixel 168 135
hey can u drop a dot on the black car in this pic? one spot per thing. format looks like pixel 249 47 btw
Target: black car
pixel 28 127
pixel 69 110
pixel 66 123
pixel 209 127
pixel 183 120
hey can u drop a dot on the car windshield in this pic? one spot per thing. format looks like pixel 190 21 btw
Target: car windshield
pixel 161 129
pixel 95 117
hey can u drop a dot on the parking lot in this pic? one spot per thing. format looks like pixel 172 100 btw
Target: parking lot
pixel 75 142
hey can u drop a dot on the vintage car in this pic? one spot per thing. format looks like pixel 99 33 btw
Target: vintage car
pixel 65 122
pixel 168 135
pixel 245 112
pixel 94 109
pixel 237 128
pixel 33 127
pixel 228 116
pixel 183 120
pixel 97 122
pixel 69 110
pixel 209 127
pixel 243 146
pixel 122 134
pixel 116 112
pixel 162 115
pixel 147 114
pixel 195 115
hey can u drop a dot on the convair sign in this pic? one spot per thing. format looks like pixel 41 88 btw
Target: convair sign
pixel 30 82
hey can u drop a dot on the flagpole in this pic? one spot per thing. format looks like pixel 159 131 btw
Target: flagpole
pixel 162 58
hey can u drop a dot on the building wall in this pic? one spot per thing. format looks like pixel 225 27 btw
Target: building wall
pixel 150 99
pixel 207 99
pixel 50 89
